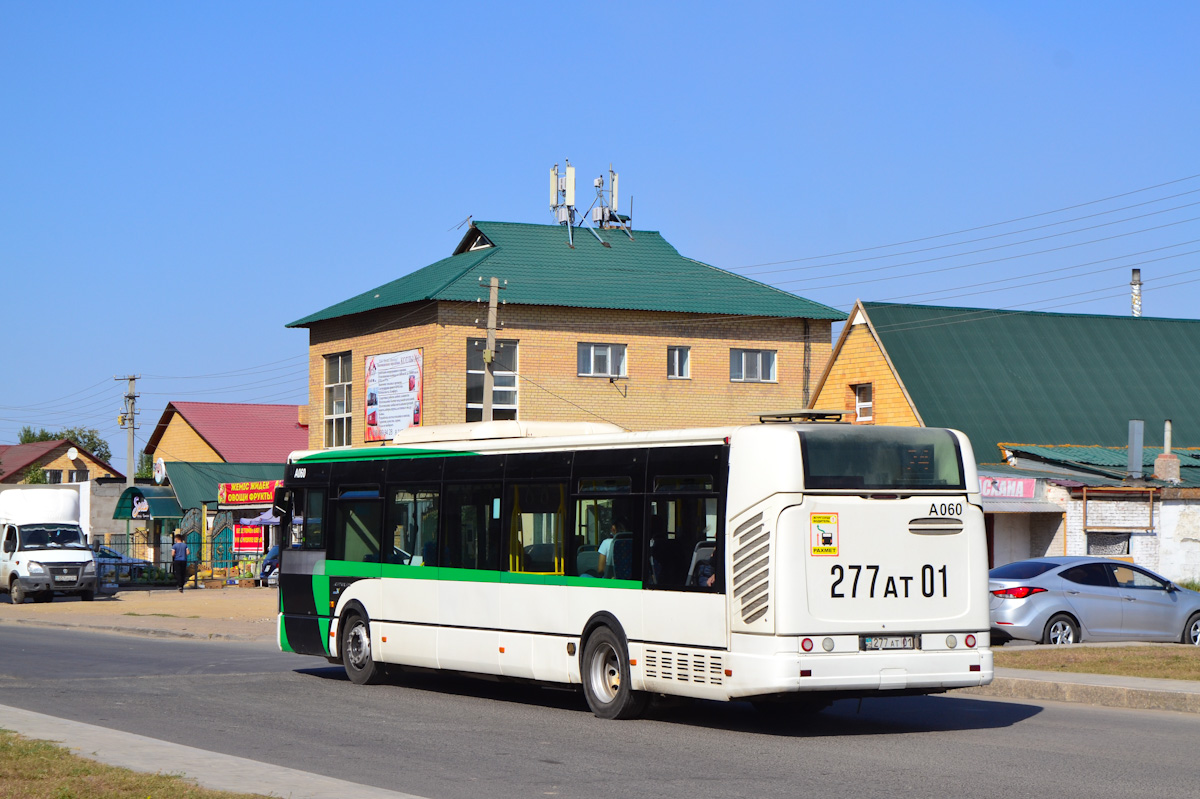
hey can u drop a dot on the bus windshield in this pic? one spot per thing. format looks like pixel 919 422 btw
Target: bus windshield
pixel 860 457
pixel 51 536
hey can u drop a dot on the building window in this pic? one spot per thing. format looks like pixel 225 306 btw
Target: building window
pixel 677 362
pixel 53 475
pixel 602 360
pixel 863 406
pixel 504 386
pixel 337 400
pixel 752 366
pixel 79 475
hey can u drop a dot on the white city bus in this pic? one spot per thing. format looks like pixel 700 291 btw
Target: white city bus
pixel 787 564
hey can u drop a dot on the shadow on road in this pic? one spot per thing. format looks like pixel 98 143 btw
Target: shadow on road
pixel 876 715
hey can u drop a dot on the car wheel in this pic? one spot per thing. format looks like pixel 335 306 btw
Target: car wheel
pixel 1061 629
pixel 16 593
pixel 606 678
pixel 357 659
pixel 1191 632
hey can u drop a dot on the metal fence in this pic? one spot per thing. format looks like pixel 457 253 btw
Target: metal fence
pixel 146 558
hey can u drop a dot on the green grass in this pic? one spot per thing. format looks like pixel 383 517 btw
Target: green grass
pixel 32 769
pixel 1167 662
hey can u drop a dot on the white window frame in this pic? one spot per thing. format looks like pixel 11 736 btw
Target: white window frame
pixel 739 359
pixel 503 379
pixel 864 411
pixel 336 399
pixel 586 357
pixel 679 363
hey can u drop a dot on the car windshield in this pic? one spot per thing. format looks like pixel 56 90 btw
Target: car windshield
pixel 1021 570
pixel 51 536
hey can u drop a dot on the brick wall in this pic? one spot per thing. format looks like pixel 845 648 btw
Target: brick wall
pixel 551 390
pixel 180 442
pixel 859 361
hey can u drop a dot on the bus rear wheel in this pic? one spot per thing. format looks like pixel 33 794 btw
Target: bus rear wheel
pixel 606 681
pixel 357 659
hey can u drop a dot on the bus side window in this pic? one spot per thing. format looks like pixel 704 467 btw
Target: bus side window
pixel 356 533
pixel 471 535
pixel 608 537
pixel 536 520
pixel 314 509
pixel 685 544
pixel 413 522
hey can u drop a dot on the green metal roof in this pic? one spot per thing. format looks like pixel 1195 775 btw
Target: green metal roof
pixel 161 500
pixel 1107 457
pixel 646 274
pixel 1026 377
pixel 196 483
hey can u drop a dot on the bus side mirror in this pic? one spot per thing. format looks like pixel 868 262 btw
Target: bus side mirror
pixel 282 506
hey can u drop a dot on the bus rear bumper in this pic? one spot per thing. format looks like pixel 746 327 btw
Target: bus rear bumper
pixel 782 673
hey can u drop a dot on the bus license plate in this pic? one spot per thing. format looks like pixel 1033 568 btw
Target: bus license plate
pixel 889 642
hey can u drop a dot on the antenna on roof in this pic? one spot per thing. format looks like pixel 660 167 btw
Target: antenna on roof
pixel 605 213
pixel 562 198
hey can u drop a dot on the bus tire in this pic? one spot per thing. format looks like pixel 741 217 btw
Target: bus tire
pixel 606 683
pixel 357 658
pixel 16 592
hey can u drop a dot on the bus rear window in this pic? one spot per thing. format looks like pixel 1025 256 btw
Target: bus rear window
pixel 885 459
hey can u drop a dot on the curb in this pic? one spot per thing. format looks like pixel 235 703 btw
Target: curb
pixel 1091 689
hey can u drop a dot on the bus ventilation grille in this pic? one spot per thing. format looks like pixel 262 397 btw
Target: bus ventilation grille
pixel 751 567
pixel 679 666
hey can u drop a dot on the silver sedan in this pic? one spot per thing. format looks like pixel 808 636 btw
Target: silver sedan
pixel 1071 599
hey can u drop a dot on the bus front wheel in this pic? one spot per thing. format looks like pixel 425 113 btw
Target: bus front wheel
pixel 360 665
pixel 606 681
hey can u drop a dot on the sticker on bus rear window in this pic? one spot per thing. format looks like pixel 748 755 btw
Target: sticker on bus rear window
pixel 823 529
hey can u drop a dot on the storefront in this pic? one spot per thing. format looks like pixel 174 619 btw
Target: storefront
pixel 255 529
pixel 156 509
pixel 1021 521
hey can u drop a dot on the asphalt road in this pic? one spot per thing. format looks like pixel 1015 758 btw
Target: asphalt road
pixel 444 736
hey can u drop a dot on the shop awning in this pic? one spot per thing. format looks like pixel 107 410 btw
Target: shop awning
pixel 1020 506
pixel 158 502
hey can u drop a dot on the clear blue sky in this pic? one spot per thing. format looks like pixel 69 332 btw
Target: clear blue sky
pixel 180 180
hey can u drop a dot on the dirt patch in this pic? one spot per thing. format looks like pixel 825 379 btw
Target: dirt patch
pixel 240 613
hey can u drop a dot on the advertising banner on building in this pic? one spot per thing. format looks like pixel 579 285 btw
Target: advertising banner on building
pixel 393 393
pixel 255 492
pixel 247 540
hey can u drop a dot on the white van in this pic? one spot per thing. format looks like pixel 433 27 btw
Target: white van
pixel 42 547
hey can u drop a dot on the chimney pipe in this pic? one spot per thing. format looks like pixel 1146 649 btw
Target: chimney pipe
pixel 1166 465
pixel 1134 464
pixel 1136 293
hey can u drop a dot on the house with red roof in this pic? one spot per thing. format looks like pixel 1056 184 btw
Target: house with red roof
pixel 228 432
pixel 62 461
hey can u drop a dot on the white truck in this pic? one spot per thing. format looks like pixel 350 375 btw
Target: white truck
pixel 42 547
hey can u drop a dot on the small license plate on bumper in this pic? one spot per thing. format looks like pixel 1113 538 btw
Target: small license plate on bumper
pixel 889 642
pixel 63 578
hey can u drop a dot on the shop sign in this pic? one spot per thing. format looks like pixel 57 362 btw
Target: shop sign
pixel 257 492
pixel 1007 487
pixel 247 539
pixel 140 507
pixel 393 394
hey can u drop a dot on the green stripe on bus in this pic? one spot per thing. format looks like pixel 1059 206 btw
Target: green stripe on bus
pixel 373 454
pixel 283 639
pixel 410 572
pixel 323 625
pixel 320 585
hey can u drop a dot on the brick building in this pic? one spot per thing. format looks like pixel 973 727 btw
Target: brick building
pixel 61 461
pixel 625 331
pixel 1046 400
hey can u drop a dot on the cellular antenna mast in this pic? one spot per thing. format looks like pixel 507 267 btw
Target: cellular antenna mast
pixel 562 198
pixel 604 212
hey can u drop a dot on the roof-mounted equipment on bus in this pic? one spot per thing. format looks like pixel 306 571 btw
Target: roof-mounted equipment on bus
pixel 806 415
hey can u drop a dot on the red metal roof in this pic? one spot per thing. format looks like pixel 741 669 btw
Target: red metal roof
pixel 240 433
pixel 15 458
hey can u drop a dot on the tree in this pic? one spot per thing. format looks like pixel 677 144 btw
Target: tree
pixel 86 437
pixel 34 474
pixel 145 467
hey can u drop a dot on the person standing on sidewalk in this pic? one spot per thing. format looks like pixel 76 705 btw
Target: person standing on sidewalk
pixel 179 561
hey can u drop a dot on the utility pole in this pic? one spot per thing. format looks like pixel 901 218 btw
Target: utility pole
pixel 489 352
pixel 128 420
